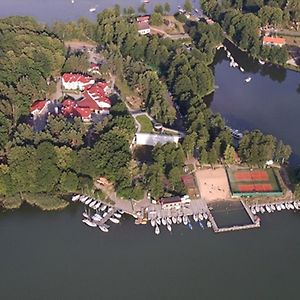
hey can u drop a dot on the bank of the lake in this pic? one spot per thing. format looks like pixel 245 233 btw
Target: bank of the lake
pixel 53 255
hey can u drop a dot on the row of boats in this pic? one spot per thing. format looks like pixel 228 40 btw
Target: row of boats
pixel 168 221
pixel 269 208
pixel 96 220
pixel 91 202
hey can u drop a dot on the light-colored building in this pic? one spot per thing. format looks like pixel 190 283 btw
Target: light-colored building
pixel 143 28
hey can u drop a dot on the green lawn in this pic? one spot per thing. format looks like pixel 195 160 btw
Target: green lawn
pixel 146 124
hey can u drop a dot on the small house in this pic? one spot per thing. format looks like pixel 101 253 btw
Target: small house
pixel 273 41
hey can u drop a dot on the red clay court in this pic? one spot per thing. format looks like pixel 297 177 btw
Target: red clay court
pixel 257 175
pixel 253 182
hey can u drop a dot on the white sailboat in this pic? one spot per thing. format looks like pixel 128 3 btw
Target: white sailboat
pixel 158 221
pixel 86 215
pixel 97 205
pixel 114 220
pixel 157 231
pixel 208 224
pixel 253 210
pixel 88 201
pixel 196 218
pixel 282 206
pixel 89 223
pixel 164 221
pixel 179 220
pixel 153 222
pixel 268 209
pixel 117 215
pixel 200 217
pixel 92 9
pixel 278 207
pixel 174 220
pixel 273 207
pixel 169 227
pixel 103 228
pixel 75 198
pixel 103 208
pixel 248 79
pixel 261 62
pixel 242 69
pixel 185 220
pixel 83 198
pixel 205 216
pixel 92 203
pixel 169 220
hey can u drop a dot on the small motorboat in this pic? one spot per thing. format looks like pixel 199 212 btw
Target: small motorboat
pixel 103 228
pixel 268 208
pixel 179 220
pixel 92 9
pixel 296 205
pixel 174 220
pixel 195 217
pixel 273 207
pixel 153 222
pixel 278 207
pixel 292 206
pixel 242 69
pixel 88 201
pixel 158 222
pixel 205 216
pixel 282 206
pixel 164 221
pixel 200 217
pixel 103 208
pixel 119 216
pixel 262 210
pixel 257 208
pixel 169 220
pixel 169 227
pixel 157 231
pixel 248 79
pixel 253 210
pixel 110 209
pixel 114 220
pixel 190 225
pixel 89 223
pixel 208 224
pixel 105 214
pixel 92 203
pixel 75 198
pixel 261 62
pixel 200 224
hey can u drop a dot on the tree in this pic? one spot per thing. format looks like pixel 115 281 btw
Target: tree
pixel 158 8
pixel 188 6
pixel 68 182
pixel 167 8
pixel 142 9
pixel 156 19
pixel 229 155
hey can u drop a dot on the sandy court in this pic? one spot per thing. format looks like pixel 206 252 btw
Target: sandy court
pixel 213 184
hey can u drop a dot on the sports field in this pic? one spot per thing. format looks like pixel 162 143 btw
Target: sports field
pixel 253 182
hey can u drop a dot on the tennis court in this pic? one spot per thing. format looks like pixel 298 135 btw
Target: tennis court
pixel 253 182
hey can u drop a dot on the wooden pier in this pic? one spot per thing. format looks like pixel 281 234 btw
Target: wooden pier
pixel 106 218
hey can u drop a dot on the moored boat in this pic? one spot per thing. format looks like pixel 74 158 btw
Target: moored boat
pixel 169 227
pixel 273 207
pixel 208 224
pixel 89 223
pixel 195 217
pixel 157 231
pixel 169 220
pixel 117 215
pixel 268 209
pixel 75 198
pixel 164 221
pixel 103 208
pixel 158 221
pixel 261 62
pixel 201 225
pixel 190 225
pixel 92 9
pixel 205 216
pixel 200 217
pixel 153 222
pixel 86 215
pixel 92 203
pixel 179 220
pixel 88 201
pixel 96 217
pixel 83 198
pixel 103 228
pixel 114 220
pixel 185 220
pixel 248 79
pixel 253 210
pixel 278 207
pixel 97 205
pixel 282 206
pixel 174 220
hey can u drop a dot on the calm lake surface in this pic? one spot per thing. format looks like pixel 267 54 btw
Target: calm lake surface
pixel 55 256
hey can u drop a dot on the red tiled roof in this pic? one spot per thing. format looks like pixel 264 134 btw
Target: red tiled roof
pixel 143 19
pixel 68 102
pixel 38 105
pixel 84 112
pixel 87 101
pixel 274 40
pixel 69 77
pixel 143 26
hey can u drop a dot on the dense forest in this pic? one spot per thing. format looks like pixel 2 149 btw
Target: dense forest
pixel 68 154
pixel 242 21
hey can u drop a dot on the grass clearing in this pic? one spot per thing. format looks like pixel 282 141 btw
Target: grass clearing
pixel 146 124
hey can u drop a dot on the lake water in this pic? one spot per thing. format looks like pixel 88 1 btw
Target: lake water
pixel 54 256
pixel 49 11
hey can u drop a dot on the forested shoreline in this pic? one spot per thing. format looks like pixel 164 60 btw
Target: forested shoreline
pixel 68 155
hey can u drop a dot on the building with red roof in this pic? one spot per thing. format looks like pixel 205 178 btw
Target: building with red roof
pixel 143 28
pixel 273 41
pixel 38 107
pixel 145 19
pixel 72 81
